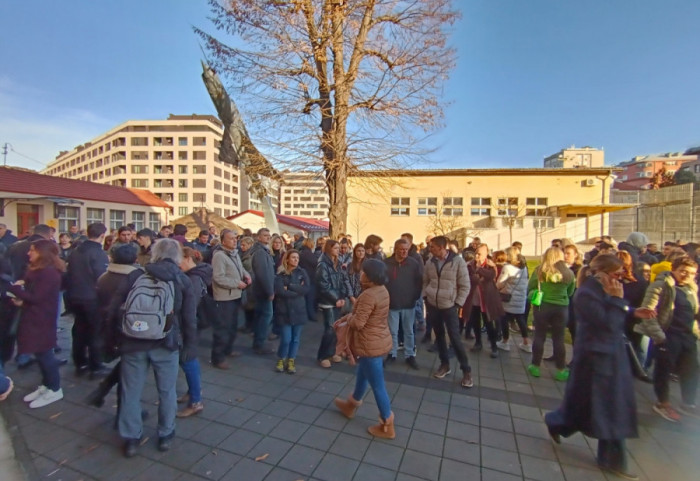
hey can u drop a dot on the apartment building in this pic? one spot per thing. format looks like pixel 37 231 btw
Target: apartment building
pixel 176 159
pixel 576 158
pixel 500 206
pixel 637 172
pixel 304 194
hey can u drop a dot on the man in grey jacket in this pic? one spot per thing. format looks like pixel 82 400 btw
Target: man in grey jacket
pixel 263 289
pixel 228 281
pixel 445 289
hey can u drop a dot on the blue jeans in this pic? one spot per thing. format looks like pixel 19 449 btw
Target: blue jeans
pixel 193 375
pixel 263 317
pixel 48 364
pixel 405 317
pixel 370 370
pixel 134 368
pixel 4 380
pixel 289 341
pixel 420 317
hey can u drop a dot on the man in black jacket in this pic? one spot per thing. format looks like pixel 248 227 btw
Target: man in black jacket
pixel 87 263
pixel 263 289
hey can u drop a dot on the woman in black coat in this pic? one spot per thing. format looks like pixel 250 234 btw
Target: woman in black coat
pixel 331 294
pixel 291 286
pixel 599 400
pixel 308 261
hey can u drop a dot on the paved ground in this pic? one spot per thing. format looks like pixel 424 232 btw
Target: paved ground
pixel 261 425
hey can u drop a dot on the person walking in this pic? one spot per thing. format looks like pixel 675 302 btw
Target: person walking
pixel 291 286
pixel 599 400
pixel 370 340
pixel 445 289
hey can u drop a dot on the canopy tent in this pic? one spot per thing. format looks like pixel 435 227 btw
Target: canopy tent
pixel 201 219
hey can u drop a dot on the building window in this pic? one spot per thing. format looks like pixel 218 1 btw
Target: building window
pixel 199 169
pixel 67 216
pixel 182 183
pixel 139 169
pixel 454 211
pixel 139 220
pixel 217 185
pixel 536 206
pixel 508 206
pixel 182 169
pixel 199 183
pixel 182 156
pixel 199 141
pixel 139 183
pixel 182 211
pixel 217 198
pixel 399 206
pixel 116 218
pixel 154 221
pixel 199 155
pixel 182 197
pixel 182 141
pixel 481 206
pixel 95 215
pixel 543 223
pixel 139 141
pixel 199 197
pixel 518 223
pixel 217 171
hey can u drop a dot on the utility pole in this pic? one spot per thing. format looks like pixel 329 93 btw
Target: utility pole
pixel 4 154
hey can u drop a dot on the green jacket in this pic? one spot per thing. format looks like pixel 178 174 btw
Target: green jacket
pixel 557 293
pixel 661 296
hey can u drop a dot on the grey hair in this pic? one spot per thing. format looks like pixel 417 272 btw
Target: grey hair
pixel 166 249
pixel 228 231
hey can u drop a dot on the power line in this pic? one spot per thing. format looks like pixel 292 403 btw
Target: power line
pixel 12 149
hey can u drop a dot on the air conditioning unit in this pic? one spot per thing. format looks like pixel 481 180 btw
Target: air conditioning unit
pixel 590 182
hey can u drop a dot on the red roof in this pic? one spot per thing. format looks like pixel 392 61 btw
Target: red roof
pixel 20 181
pixel 302 223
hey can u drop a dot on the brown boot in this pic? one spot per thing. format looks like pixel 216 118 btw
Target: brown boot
pixel 348 406
pixel 385 429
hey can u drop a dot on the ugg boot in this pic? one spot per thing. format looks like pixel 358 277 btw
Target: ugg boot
pixel 348 406
pixel 385 429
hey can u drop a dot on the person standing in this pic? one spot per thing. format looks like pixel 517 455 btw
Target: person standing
pixel 228 281
pixel 445 289
pixel 405 283
pixel 263 289
pixel 332 296
pixel 485 299
pixel 599 400
pixel 6 236
pixel 87 263
pixel 37 293
pixel 512 283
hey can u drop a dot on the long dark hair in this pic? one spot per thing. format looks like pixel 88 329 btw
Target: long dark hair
pixel 328 250
pixel 48 256
pixel 356 264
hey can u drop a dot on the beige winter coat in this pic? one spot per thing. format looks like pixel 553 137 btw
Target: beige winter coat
pixel 446 287
pixel 369 325
pixel 228 273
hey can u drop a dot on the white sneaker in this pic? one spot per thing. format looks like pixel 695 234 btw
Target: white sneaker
pixel 48 397
pixel 525 347
pixel 34 395
pixel 504 346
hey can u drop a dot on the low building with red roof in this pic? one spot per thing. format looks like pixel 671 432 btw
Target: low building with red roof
pixel 254 220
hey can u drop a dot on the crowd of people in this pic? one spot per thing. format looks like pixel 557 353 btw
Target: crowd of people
pixel 373 307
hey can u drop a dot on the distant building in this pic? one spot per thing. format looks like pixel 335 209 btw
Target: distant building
pixel 576 158
pixel 637 172
pixel 304 194
pixel 254 220
pixel 28 198
pixel 177 159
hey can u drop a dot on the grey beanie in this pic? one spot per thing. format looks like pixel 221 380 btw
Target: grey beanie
pixel 637 239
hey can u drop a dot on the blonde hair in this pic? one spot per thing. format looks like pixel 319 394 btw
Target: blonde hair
pixel 513 256
pixel 547 270
pixel 284 265
pixel 246 240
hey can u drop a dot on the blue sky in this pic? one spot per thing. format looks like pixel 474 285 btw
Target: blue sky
pixel 532 76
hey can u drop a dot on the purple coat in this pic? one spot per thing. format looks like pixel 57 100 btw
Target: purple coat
pixel 36 331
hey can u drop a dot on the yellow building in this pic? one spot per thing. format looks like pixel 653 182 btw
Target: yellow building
pixel 576 158
pixel 500 206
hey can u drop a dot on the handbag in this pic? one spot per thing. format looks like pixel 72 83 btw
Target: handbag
pixel 505 296
pixel 536 296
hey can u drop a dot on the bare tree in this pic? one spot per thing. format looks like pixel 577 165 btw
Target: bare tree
pixel 510 212
pixel 339 85
pixel 445 219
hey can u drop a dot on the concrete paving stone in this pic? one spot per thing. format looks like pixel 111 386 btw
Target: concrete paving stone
pixel 46 467
pixel 498 439
pixel 280 474
pixel 525 412
pixel 391 387
pixel 421 465
pixel 98 461
pixel 275 449
pixel 574 473
pixel 406 403
pixel 431 424
pixel 434 409
pixel 186 428
pixel 402 436
pixel 272 389
pixel 240 442
pixel 384 455
pixel 308 383
pixel 235 416
pixel 320 400
pixel 370 472
pixel 463 415
pixel 215 464
pixel 262 423
pixel 496 421
pixel 342 376
pixel 305 414
pixel 289 430
pixel 318 437
pixel 279 407
pixel 442 397
pixel 540 469
pixel 331 419
pixel 127 469
pixel 185 455
pixel 495 407
pixel 407 477
pixel 189 477
pixel 411 392
pixel 468 401
pixel 463 432
pixel 493 475
pixel 575 456
pixel 500 460
pixel 513 386
pixel 254 402
pixel 536 447
pixel 37 440
pixel 302 459
pixel 248 470
pixel 212 434
pixel 336 468
pixel 358 427
pixel 349 446
pixel 452 471
pixel 403 418
pixel 426 442
pixel 491 383
pixel 462 451
pixel 331 387
pixel 536 429
pixel 295 394
pixel 214 410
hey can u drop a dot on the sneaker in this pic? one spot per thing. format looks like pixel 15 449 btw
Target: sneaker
pixel 389 360
pixel 401 347
pixel 291 368
pixel 34 395
pixel 525 347
pixel 411 361
pixel 690 410
pixel 476 348
pixel 280 365
pixel 47 398
pixel 494 353
pixel 503 346
pixel 325 363
pixel 549 358
pixel 442 371
pixel 467 381
pixel 165 442
pixel 533 370
pixel 667 412
pixel 336 358
pixel 562 375
pixel 131 447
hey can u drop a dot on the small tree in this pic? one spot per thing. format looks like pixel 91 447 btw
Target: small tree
pixel 510 212
pixel 661 178
pixel 444 219
pixel 684 176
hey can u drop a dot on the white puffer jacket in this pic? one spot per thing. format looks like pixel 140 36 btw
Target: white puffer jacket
pixel 513 281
